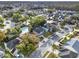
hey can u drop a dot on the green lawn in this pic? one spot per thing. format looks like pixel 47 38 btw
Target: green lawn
pixel 46 53
pixel 47 34
pixel 64 41
pixel 51 55
pixel 8 54
pixel 55 47
pixel 26 50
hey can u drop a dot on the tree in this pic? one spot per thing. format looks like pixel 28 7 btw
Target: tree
pixel 12 33
pixel 30 28
pixel 76 7
pixel 29 38
pixel 25 49
pixel 2 36
pixel 10 14
pixel 33 39
pixel 2 25
pixel 23 18
pixel 25 38
pixel 51 10
pixel 37 21
pixel 16 17
pixel 31 14
pixel 62 24
pixel 21 9
pixel 1 19
pixel 28 44
pixel 15 30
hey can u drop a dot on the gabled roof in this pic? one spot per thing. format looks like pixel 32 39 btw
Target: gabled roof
pixel 11 44
pixel 66 53
pixel 74 44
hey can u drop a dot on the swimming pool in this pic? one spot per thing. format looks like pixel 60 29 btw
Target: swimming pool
pixel 25 29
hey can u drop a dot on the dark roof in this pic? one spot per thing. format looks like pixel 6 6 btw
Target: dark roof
pixel 54 37
pixel 46 43
pixel 70 55
pixel 39 29
pixel 51 14
pixel 1 49
pixel 76 46
pixel 11 44
pixel 63 50
pixel 36 54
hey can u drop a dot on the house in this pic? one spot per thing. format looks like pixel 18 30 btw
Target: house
pixel 17 54
pixel 36 54
pixel 13 24
pixel 51 26
pixel 74 44
pixel 12 44
pixel 66 53
pixel 1 52
pixel 39 30
pixel 61 33
pixel 7 24
pixel 54 37
pixel 61 18
pixel 71 48
pixel 68 28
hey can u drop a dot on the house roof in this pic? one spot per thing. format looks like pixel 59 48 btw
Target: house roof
pixel 61 33
pixel 74 43
pixel 66 53
pixel 38 30
pixel 36 54
pixel 1 52
pixel 55 37
pixel 11 44
pixel 70 55
pixel 76 46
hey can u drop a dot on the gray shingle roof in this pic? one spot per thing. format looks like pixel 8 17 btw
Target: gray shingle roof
pixel 76 46
pixel 70 55
pixel 11 44
pixel 39 30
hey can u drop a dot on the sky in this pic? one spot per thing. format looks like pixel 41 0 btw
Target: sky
pixel 39 0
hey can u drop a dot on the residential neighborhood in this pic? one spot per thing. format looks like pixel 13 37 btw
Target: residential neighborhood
pixel 38 30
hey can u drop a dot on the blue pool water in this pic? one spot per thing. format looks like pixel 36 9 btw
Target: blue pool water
pixel 25 29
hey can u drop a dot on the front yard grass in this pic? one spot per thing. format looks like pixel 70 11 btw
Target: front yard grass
pixel 52 55
pixel 47 34
pixel 8 54
pixel 46 53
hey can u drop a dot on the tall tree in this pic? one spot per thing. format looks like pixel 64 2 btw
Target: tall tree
pixel 37 21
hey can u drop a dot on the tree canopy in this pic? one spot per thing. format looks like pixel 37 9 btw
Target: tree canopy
pixel 37 21
pixel 29 38
pixel 1 19
pixel 28 43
